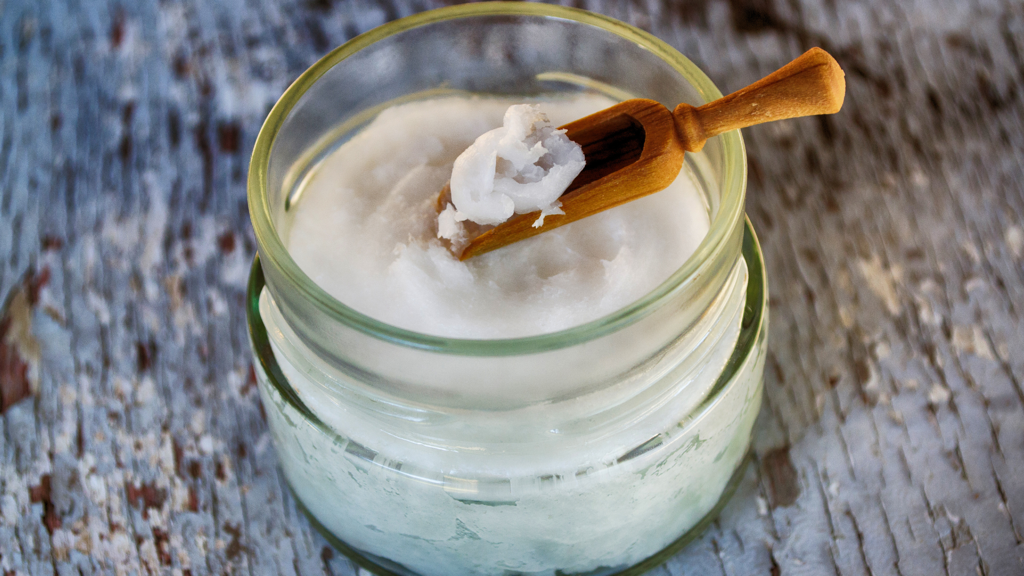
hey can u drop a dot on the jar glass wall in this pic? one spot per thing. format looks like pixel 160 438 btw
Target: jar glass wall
pixel 592 448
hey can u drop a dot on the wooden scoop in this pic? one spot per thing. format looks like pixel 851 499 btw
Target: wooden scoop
pixel 636 147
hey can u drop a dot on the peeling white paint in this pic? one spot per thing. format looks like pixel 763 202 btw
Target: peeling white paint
pixel 98 305
pixel 1015 240
pixel 938 395
pixel 881 282
pixel 971 340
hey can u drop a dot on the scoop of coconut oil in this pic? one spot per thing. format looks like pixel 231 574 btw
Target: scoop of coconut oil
pixel 521 167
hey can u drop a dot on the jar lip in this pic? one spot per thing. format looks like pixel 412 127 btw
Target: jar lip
pixel 273 251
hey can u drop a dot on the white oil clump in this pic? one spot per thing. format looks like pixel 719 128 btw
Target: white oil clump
pixel 522 167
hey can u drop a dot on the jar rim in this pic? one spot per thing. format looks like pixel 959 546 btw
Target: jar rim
pixel 274 252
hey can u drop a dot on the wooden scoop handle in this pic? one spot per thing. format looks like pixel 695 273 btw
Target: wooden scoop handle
pixel 812 84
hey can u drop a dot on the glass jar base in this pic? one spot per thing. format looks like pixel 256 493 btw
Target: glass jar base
pixel 384 567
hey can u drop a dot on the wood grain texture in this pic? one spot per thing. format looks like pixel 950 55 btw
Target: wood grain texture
pixel 892 437
pixel 810 85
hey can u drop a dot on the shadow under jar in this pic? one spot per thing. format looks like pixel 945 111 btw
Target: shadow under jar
pixel 598 449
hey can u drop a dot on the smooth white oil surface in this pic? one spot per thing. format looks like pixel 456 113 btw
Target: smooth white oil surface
pixel 365 231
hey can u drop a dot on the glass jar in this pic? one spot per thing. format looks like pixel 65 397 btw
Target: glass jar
pixel 592 450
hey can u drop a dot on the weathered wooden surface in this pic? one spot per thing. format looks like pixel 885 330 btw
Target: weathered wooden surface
pixel 892 438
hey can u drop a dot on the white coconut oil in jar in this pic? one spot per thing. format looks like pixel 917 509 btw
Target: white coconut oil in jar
pixel 545 440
